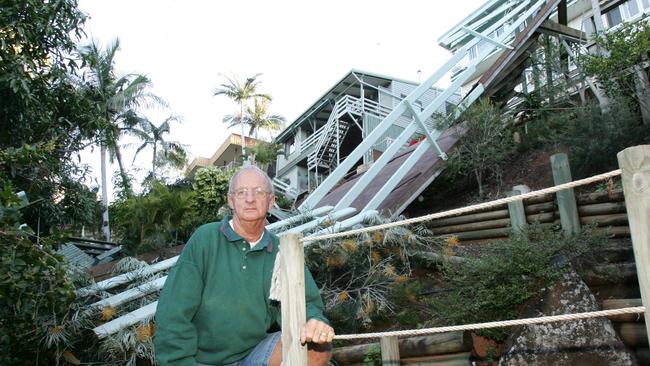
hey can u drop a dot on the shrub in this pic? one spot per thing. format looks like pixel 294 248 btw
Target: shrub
pixel 493 285
pixel 485 146
pixel 211 192
pixel 594 138
pixel 35 294
pixel 159 218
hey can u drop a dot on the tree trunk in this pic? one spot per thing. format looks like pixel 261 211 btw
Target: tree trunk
pixel 153 163
pixel 642 87
pixel 241 122
pixel 125 179
pixel 477 174
pixel 548 66
pixel 105 221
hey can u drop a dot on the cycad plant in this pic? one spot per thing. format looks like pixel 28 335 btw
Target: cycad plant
pixel 358 274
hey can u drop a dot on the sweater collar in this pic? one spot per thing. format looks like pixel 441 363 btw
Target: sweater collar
pixel 231 235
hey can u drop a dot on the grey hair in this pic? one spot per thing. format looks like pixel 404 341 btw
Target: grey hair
pixel 252 168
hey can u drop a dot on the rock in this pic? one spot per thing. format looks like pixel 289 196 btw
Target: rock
pixel 591 342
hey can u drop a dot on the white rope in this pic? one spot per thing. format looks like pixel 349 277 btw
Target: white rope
pixel 467 209
pixel 498 324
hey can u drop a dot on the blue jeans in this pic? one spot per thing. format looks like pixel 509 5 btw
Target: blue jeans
pixel 261 354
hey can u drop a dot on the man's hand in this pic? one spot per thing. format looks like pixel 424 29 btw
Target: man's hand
pixel 316 331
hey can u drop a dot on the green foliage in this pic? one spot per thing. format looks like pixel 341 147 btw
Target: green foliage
pixel 493 285
pixel 211 192
pixel 594 138
pixel 45 119
pixel 360 276
pixel 159 218
pixel 483 149
pixel 265 153
pixel 372 356
pixel 35 293
pixel 283 202
pixel 171 153
pixel 626 46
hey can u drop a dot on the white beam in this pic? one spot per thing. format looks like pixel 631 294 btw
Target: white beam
pixel 134 317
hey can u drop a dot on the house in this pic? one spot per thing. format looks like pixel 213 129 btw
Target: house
pixel 503 70
pixel 318 140
pixel 226 156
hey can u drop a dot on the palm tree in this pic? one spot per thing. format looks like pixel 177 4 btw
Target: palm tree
pixel 259 119
pixel 240 93
pixel 172 153
pixel 115 97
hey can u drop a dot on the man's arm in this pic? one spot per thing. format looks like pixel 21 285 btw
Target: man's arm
pixel 176 339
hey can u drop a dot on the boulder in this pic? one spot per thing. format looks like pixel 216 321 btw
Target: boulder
pixel 591 342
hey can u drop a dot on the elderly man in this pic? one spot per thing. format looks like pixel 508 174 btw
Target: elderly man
pixel 215 307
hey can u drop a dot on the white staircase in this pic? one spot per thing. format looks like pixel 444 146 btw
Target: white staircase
pixel 326 155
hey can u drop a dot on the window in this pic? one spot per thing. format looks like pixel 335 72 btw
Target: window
pixel 632 8
pixel 614 17
pixel 646 4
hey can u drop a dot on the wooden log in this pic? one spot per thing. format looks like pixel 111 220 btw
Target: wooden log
pixel 604 208
pixel 541 207
pixel 632 334
pixel 454 359
pixel 293 304
pixel 616 291
pixel 565 199
pixel 456 220
pixel 605 220
pixel 610 304
pixel 611 273
pixel 389 351
pixel 472 226
pixel 435 344
pixel 635 167
pixel 541 217
pixel 617 251
pixel 549 197
pixel 516 209
pixel 598 197
pixel 488 234
pixel 482 234
pixel 614 231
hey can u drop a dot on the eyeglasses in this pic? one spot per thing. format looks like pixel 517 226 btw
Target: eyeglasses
pixel 242 193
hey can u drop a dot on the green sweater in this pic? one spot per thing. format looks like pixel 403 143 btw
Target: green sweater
pixel 215 305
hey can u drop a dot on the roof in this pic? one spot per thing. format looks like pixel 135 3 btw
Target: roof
pixel 348 84
pixel 75 256
pixel 478 20
pixel 417 179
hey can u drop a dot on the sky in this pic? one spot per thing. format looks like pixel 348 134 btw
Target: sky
pixel 301 48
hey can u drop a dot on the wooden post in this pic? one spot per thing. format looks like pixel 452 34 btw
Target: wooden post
pixel 516 209
pixel 293 306
pixel 565 199
pixel 389 351
pixel 635 167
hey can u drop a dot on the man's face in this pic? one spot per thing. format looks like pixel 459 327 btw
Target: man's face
pixel 251 198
